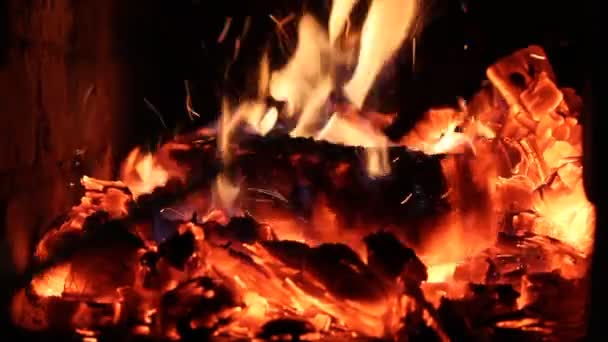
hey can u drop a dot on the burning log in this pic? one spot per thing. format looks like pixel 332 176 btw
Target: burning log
pixel 153 255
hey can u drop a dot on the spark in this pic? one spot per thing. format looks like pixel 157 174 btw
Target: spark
pixel 283 36
pixel 155 111
pixel 407 198
pixel 447 193
pixel 87 94
pixel 536 56
pixel 246 26
pixel 414 53
pixel 271 193
pixel 225 30
pixel 191 112
pixel 237 48
pixel 173 211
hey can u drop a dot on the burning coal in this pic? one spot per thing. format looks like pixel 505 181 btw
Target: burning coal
pixel 307 222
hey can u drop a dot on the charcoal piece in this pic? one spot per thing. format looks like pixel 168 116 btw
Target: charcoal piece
pixel 97 272
pixel 515 255
pixel 292 253
pixel 196 308
pixel 56 315
pixel 484 302
pixel 163 228
pixel 178 249
pixel 339 268
pixel 508 335
pixel 241 229
pixel 388 256
pixel 148 271
pixel 287 163
pixel 149 259
pixel 495 295
pixel 58 244
pixel 415 328
pixel 555 297
pixel 492 274
pixel 246 229
pixel 455 321
pixel 102 257
pixel 148 205
pixel 285 329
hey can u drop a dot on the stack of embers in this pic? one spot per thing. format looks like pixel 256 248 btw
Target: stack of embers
pixel 319 252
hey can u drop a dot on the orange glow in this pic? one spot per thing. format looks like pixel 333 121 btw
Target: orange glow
pixel 51 283
pixel 512 167
pixel 144 172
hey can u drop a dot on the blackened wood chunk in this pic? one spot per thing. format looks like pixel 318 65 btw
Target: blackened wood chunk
pixel 115 232
pixel 493 299
pixel 515 255
pixel 178 249
pixel 555 297
pixel 246 229
pixel 148 205
pixel 508 335
pixel 341 270
pixel 292 253
pixel 196 307
pixel 285 329
pixel 241 229
pixel 415 328
pixel 104 259
pixel 305 170
pixel 60 243
pixel 454 320
pixel 149 272
pixel 388 256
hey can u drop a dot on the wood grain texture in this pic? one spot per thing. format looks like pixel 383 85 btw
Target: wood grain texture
pixel 62 102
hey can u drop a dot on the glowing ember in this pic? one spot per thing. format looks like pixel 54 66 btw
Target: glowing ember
pixel 517 228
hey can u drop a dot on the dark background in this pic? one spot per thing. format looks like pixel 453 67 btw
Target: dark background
pixel 170 41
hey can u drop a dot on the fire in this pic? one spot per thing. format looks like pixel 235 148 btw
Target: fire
pixel 148 175
pixel 198 260
pixel 144 172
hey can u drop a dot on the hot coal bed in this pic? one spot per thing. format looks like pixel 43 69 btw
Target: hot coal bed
pixel 481 230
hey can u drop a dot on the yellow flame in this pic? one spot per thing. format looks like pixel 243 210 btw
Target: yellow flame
pixel 387 25
pixel 142 173
pixel 340 11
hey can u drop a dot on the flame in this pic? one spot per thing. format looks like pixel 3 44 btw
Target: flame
pixel 143 172
pixel 518 157
pixel 378 44
pixel 305 84
pixel 309 77
pixel 51 283
pixel 338 18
